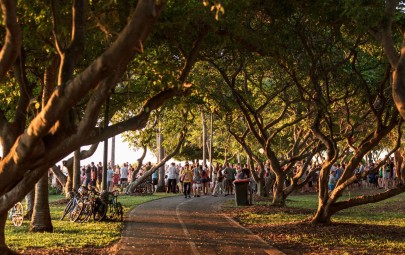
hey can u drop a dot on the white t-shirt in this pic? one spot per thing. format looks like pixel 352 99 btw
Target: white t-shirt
pixel 124 172
pixel 172 172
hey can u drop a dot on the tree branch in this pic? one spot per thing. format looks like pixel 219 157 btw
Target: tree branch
pixel 30 144
pixel 13 39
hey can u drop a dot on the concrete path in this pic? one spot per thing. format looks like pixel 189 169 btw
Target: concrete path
pixel 194 226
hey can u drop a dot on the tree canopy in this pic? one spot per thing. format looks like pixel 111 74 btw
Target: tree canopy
pixel 293 79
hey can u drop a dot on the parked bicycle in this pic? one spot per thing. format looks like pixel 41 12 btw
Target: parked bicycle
pixel 16 214
pixel 115 210
pixel 93 206
pixel 145 187
pixel 88 203
pixel 71 204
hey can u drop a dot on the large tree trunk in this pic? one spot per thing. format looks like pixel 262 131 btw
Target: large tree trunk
pixel 278 190
pixel 41 142
pixel 30 199
pixel 76 171
pixel 41 217
pixel 4 250
pixel 323 214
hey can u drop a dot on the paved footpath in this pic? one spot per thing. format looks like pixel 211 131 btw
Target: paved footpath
pixel 191 226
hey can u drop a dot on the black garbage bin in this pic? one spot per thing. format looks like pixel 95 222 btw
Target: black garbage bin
pixel 241 192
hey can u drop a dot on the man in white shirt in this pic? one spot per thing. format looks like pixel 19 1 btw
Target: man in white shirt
pixel 124 175
pixel 172 178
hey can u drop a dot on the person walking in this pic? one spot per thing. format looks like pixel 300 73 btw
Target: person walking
pixel 218 183
pixel 186 176
pixel 196 180
pixel 205 180
pixel 229 176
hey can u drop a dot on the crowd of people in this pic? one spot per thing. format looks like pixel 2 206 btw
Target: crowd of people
pixel 194 179
pixel 384 178
pixel 117 176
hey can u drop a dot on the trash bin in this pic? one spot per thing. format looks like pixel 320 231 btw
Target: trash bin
pixel 241 192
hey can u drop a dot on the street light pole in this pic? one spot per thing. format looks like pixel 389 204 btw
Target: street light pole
pixel 105 154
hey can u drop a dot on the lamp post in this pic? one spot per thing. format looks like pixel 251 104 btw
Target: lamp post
pixel 105 154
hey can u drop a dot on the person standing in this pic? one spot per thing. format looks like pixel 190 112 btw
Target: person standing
pixel 155 178
pixel 93 174
pixel 110 176
pixel 124 176
pixel 218 183
pixel 172 178
pixel 197 180
pixel 88 175
pixel 332 180
pixel 116 176
pixel 229 176
pixel 99 174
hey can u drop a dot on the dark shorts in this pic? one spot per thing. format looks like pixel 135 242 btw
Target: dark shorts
pixel 124 180
pixel 204 180
pixel 154 181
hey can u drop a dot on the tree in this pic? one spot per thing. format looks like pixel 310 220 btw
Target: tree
pixel 351 109
pixel 384 31
pixel 31 146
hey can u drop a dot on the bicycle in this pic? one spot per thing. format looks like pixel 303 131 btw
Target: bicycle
pixel 71 204
pixel 16 214
pixel 145 187
pixel 93 206
pixel 115 209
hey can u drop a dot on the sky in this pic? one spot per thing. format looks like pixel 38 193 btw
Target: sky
pixel 122 153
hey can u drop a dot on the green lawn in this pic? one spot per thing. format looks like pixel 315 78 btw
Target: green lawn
pixel 377 228
pixel 72 235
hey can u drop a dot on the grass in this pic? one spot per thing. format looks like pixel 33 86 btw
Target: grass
pixel 377 228
pixel 72 235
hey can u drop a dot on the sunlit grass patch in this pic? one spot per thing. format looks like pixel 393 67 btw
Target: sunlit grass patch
pixel 377 228
pixel 72 235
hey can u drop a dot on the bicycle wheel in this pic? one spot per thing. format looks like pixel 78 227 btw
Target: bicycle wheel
pixel 68 208
pixel 149 189
pixel 76 212
pixel 100 210
pixel 18 214
pixel 87 212
pixel 118 212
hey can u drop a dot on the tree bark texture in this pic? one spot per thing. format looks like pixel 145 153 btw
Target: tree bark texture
pixel 29 153
pixel 41 217
pixel 76 171
pixel 278 194
pixel 30 199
